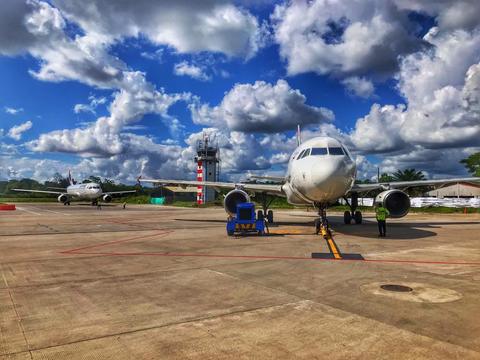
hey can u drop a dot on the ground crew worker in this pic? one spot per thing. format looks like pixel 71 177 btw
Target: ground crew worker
pixel 382 213
pixel 124 205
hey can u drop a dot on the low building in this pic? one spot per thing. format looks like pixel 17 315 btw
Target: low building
pixel 175 193
pixel 460 190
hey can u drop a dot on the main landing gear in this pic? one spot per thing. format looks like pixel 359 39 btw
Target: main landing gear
pixel 353 213
pixel 265 213
pixel 95 203
pixel 66 203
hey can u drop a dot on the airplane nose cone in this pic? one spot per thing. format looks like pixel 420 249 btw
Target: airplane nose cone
pixel 321 174
pixel 329 179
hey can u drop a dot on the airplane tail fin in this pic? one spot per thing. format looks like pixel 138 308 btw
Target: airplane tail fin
pixel 71 180
pixel 299 136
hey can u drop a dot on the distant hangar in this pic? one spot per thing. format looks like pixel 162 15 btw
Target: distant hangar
pixel 460 190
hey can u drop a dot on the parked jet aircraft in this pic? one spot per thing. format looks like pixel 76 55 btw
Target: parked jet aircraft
pixel 320 171
pixel 89 191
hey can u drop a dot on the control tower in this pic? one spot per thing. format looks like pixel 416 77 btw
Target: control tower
pixel 208 169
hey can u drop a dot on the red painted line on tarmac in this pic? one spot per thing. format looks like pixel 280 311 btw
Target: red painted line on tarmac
pixel 272 257
pixel 163 232
pixel 76 250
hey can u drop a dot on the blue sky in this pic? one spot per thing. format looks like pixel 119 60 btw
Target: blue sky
pixel 118 91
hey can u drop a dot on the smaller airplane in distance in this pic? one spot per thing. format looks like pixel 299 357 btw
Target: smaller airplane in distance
pixel 89 191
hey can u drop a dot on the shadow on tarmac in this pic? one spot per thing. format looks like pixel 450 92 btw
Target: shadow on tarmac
pixel 395 231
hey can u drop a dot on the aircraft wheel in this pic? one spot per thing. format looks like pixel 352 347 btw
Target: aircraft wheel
pixel 270 216
pixel 260 215
pixel 358 217
pixel 347 217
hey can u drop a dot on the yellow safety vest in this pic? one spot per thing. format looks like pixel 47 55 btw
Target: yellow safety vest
pixel 382 213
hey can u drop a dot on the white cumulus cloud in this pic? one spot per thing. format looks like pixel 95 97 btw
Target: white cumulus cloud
pixel 343 37
pixel 359 86
pixel 261 107
pixel 185 69
pixel 12 110
pixel 441 88
pixel 17 131
pixel 91 106
pixel 186 26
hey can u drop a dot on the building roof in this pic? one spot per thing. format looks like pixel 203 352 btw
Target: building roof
pixel 460 189
pixel 179 189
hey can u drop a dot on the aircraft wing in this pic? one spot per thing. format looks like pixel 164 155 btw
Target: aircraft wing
pixel 41 191
pixel 119 192
pixel 407 184
pixel 277 179
pixel 255 188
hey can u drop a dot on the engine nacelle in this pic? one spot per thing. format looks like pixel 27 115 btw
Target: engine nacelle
pixel 396 202
pixel 107 198
pixel 233 198
pixel 62 198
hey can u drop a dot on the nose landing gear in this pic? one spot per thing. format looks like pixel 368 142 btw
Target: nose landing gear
pixel 321 224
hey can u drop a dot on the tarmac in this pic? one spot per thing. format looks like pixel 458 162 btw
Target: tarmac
pixel 153 282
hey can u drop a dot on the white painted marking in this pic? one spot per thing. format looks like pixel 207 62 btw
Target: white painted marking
pixel 55 212
pixel 31 212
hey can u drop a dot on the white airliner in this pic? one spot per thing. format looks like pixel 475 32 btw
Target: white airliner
pixel 320 171
pixel 88 191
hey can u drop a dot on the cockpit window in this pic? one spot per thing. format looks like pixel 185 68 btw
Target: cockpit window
pixel 301 154
pixel 306 153
pixel 319 151
pixel 336 151
pixel 346 152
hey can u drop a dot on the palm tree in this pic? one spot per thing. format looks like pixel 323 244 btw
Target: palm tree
pixel 411 175
pixel 472 163
pixel 385 178
pixel 408 175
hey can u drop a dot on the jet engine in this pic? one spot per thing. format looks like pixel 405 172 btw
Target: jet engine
pixel 233 198
pixel 396 202
pixel 62 198
pixel 107 198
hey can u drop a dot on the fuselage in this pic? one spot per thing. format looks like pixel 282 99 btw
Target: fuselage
pixel 320 170
pixel 85 191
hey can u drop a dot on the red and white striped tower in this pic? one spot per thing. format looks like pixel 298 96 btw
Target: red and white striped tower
pixel 199 178
pixel 207 160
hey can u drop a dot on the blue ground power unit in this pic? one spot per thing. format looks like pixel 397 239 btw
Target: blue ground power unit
pixel 245 221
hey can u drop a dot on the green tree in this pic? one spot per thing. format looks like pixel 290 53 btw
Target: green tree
pixel 57 181
pixel 408 175
pixel 411 175
pixel 386 178
pixel 360 181
pixel 23 184
pixel 472 163
pixel 94 179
